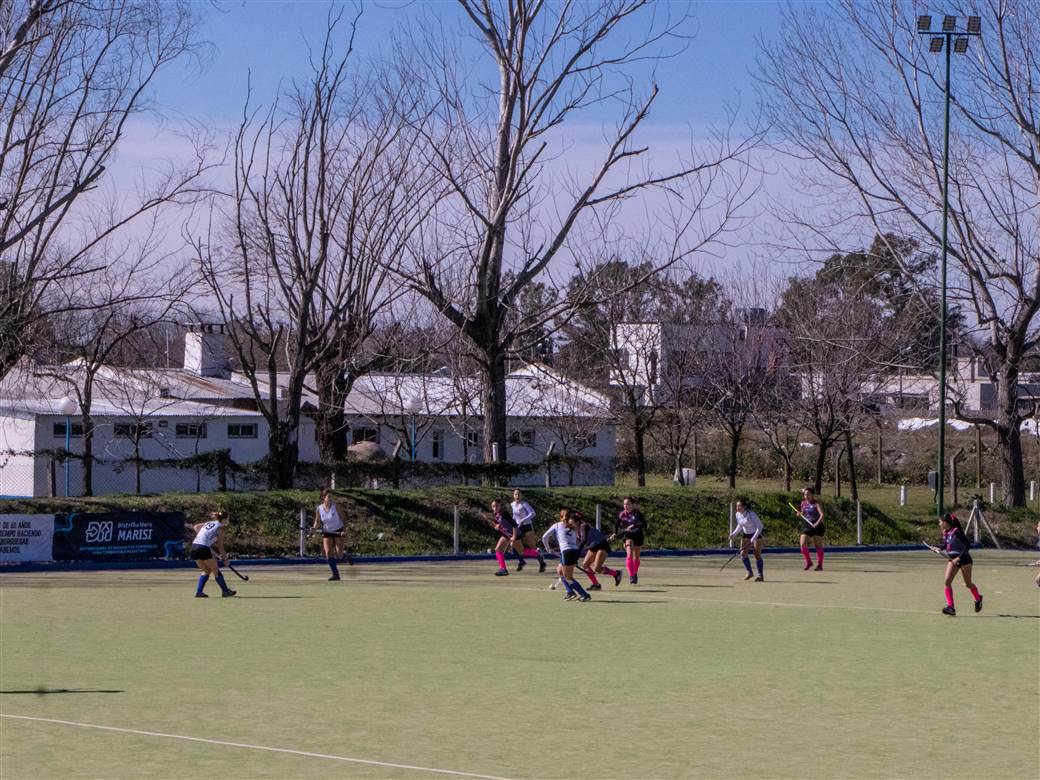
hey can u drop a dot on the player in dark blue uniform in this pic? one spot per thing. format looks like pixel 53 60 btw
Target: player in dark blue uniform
pixel 955 546
pixel 631 526
pixel 597 547
pixel 503 523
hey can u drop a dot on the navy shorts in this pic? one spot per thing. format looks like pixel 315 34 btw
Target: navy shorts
pixel 332 534
pixel 523 530
pixel 636 535
pixel 569 557
pixel 964 559
pixel 603 546
pixel 808 530
pixel 200 552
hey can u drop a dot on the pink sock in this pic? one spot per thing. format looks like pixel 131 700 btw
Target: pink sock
pixel 592 576
pixel 819 557
pixel 609 572
pixel 975 593
pixel 629 567
pixel 530 552
pixel 635 564
pixel 805 554
pixel 501 558
pixel 948 592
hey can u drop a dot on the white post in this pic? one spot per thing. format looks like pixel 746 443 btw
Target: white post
pixel 992 492
pixel 303 532
pixel 902 495
pixel 599 517
pixel 494 452
pixel 455 533
pixel 732 520
pixel 1032 490
pixel 332 481
pixel 859 522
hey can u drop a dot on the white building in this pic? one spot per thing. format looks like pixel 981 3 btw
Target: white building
pixel 176 414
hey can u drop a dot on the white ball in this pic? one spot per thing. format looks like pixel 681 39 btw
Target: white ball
pixel 553 586
pixel 379 536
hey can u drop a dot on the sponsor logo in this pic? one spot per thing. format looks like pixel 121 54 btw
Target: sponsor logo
pixel 99 531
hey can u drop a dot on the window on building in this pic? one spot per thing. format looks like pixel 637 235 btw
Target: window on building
pixel 473 440
pixel 191 430
pixel 359 435
pixel 59 430
pixel 521 438
pixel 242 430
pixel 132 430
pixel 437 444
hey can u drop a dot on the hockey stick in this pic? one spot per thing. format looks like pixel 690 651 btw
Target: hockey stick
pixel 227 565
pixel 729 560
pixel 936 550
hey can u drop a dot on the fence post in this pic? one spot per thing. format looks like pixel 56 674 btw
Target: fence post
pixel 1032 490
pixel 992 492
pixel 859 522
pixel 902 495
pixel 732 520
pixel 455 533
pixel 303 533
pixel 599 517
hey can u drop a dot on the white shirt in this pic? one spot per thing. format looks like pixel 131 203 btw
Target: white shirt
pixel 748 523
pixel 523 514
pixel 330 519
pixel 565 537
pixel 207 535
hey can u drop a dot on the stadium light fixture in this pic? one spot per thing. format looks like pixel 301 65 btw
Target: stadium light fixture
pixel 956 41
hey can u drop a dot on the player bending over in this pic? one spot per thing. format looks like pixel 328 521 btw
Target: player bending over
pixel 597 548
pixel 565 535
pixel 207 536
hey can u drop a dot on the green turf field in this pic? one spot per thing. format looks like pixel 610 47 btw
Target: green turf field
pixel 850 672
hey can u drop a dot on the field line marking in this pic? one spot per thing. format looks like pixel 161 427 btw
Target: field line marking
pixel 223 743
pixel 763 603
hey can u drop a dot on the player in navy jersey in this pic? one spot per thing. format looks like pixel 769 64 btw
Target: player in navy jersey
pixel 597 547
pixel 208 535
pixel 503 523
pixel 955 547
pixel 564 535
pixel 631 527
pixel 812 528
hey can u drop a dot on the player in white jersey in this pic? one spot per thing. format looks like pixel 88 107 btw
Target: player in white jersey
pixel 329 518
pixel 207 536
pixel 565 535
pixel 524 537
pixel 750 529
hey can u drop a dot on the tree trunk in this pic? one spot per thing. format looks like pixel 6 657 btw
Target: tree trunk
pixel 639 435
pixel 137 466
pixel 493 401
pixel 88 454
pixel 821 464
pixel 880 456
pixel 734 447
pixel 978 457
pixel 679 468
pixel 693 452
pixel 1009 438
pixel 787 474
pixel 330 420
pixel 282 455
pixel 853 485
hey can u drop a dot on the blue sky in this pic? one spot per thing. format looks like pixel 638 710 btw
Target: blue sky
pixel 268 40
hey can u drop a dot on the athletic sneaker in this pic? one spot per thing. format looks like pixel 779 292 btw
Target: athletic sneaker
pixel 949 611
pixel 748 576
pixel 617 579
pixel 333 578
pixel 760 578
pixel 586 597
pixel 633 580
pixel 570 597
pixel 228 592
pixel 521 564
pixel 978 604
pixel 595 587
pixel 807 567
pixel 202 595
pixel 502 573
pixel 541 565
pixel 819 568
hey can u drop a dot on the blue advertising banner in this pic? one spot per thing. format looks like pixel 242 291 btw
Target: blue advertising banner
pixel 118 536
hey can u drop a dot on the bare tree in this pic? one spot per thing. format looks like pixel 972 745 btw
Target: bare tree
pixel 73 74
pixel 504 220
pixel 777 419
pixel 853 90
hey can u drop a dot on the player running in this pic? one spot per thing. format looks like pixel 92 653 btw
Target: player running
pixel 329 518
pixel 811 513
pixel 506 531
pixel 564 533
pixel 597 548
pixel 750 528
pixel 631 526
pixel 955 546
pixel 524 538
pixel 207 536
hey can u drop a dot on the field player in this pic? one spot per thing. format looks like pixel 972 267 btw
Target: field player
pixel 812 528
pixel 506 528
pixel 564 534
pixel 955 545
pixel 329 518
pixel 597 548
pixel 631 526
pixel 750 528
pixel 208 535
pixel 524 537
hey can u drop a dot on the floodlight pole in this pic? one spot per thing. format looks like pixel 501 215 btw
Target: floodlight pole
pixel 941 481
pixel 68 448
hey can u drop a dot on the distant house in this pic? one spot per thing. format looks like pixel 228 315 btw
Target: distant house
pixel 203 407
